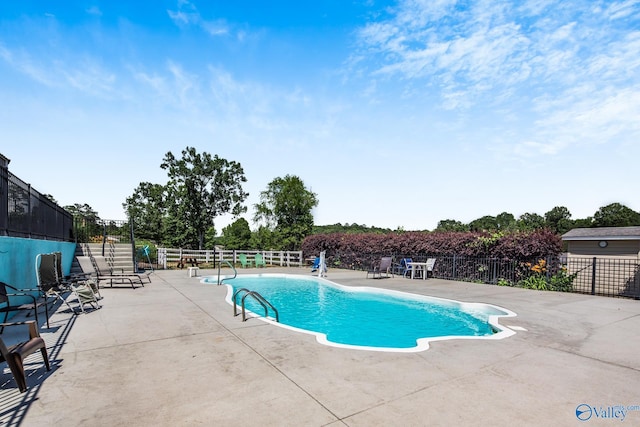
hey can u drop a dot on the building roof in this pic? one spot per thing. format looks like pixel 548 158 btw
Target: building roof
pixel 609 233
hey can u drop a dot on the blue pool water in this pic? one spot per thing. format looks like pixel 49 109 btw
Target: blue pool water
pixel 370 318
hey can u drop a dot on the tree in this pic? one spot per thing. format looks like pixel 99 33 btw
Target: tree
pixel 285 207
pixel 583 222
pixel 237 235
pixel 210 238
pixel 201 188
pixel 530 221
pixel 146 208
pixel 486 223
pixel 558 220
pixel 505 221
pixel 86 221
pixel 50 198
pixel 451 225
pixel 262 238
pixel 616 215
pixel 349 228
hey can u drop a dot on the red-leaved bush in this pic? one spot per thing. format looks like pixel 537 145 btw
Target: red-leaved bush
pixel 358 250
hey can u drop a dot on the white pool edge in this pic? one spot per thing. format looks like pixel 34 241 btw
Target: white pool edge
pixel 423 344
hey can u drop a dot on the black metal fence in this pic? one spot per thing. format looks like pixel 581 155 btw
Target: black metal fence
pixel 24 212
pixel 611 277
pixel 103 231
pixel 617 277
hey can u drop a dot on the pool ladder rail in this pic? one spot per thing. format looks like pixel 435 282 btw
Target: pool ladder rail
pixel 256 296
pixel 235 272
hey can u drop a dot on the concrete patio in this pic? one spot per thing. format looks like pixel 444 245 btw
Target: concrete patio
pixel 172 354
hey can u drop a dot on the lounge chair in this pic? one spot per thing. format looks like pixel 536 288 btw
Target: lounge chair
pixel 103 267
pixel 51 287
pixel 244 261
pixel 259 260
pixel 105 271
pixel 89 266
pixel 384 266
pixel 15 354
pixel 52 283
pixel 67 280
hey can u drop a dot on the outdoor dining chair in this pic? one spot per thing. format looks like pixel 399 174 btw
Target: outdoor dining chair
pixel 15 354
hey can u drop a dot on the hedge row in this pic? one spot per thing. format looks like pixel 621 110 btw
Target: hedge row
pixel 358 250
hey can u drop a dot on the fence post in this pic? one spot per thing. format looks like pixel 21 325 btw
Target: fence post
pixel 494 271
pixel 453 271
pixel 162 252
pixel 133 247
pixel 593 276
pixel 4 195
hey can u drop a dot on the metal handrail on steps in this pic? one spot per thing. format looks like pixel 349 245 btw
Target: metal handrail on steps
pixel 235 272
pixel 256 296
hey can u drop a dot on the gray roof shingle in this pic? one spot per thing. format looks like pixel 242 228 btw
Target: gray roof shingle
pixel 611 233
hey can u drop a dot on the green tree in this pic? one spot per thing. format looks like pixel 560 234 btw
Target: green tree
pixel 87 221
pixel 349 229
pixel 530 221
pixel 451 225
pixel 285 207
pixel 200 188
pixel 210 238
pixel 146 208
pixel 50 198
pixel 583 222
pixel 558 219
pixel 262 238
pixel 505 221
pixel 486 223
pixel 237 235
pixel 616 215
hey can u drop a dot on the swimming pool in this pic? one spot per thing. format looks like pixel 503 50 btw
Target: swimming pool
pixel 363 317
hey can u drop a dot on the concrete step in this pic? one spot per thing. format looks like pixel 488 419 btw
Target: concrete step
pixel 119 255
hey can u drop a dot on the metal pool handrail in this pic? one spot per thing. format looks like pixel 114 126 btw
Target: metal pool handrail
pixel 259 298
pixel 235 272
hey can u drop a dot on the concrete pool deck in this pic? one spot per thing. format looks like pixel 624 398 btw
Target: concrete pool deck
pixel 172 354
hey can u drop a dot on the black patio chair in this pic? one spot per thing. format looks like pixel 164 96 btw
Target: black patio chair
pixel 8 296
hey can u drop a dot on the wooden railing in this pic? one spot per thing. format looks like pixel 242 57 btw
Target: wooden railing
pixel 170 257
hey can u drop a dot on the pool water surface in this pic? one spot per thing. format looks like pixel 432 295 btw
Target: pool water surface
pixel 365 318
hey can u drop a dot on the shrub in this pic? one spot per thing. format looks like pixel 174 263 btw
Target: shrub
pixel 359 250
pixel 561 281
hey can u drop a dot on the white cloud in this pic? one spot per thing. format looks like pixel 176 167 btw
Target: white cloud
pixel 622 9
pixel 84 74
pixel 187 14
pixel 571 76
pixel 24 63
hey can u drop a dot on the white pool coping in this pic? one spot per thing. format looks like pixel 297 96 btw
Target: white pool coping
pixel 422 344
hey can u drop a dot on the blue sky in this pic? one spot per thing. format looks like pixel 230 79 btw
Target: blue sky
pixel 396 113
